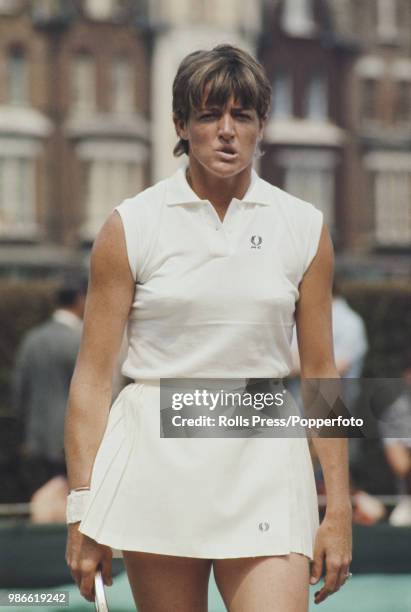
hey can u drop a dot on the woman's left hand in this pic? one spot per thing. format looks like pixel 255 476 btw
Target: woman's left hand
pixel 333 544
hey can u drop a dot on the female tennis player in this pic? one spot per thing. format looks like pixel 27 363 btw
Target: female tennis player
pixel 209 269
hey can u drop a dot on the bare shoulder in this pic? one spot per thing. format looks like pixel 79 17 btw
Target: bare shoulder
pixel 109 298
pixel 320 272
pixel 111 286
pixel 313 313
pixel 109 253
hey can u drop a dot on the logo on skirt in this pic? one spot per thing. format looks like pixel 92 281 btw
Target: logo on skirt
pixel 264 526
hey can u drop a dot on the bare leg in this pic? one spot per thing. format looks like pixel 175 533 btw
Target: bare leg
pixel 264 584
pixel 161 583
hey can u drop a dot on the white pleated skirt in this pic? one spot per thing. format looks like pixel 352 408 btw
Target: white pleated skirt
pixel 211 498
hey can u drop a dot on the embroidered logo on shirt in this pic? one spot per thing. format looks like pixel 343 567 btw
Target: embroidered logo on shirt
pixel 264 526
pixel 256 242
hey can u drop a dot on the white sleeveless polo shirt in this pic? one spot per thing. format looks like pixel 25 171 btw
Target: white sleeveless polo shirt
pixel 213 300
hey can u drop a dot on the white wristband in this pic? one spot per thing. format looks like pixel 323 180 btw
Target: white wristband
pixel 77 502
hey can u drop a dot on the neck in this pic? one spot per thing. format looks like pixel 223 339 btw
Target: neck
pixel 219 191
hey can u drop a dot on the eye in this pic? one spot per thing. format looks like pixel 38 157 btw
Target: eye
pixel 243 116
pixel 207 116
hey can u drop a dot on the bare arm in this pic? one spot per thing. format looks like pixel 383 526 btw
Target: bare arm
pixel 109 298
pixel 314 331
pixel 315 343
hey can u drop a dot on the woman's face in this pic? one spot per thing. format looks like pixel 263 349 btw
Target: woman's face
pixel 222 140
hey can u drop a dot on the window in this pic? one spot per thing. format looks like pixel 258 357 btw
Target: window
pixel 400 70
pixel 392 206
pixel 17 77
pixel 123 85
pixel 17 189
pixel 403 101
pixel 391 174
pixel 107 183
pixel 370 70
pixel 313 185
pixel 43 11
pixel 282 101
pixel 317 98
pixel 310 175
pixel 297 17
pixel 368 102
pixel 387 24
pixel 343 16
pixel 83 84
pixel 362 17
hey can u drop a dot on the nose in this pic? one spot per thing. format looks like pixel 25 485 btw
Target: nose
pixel 226 126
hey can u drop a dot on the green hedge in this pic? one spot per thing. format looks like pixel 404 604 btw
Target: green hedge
pixel 385 308
pixel 386 311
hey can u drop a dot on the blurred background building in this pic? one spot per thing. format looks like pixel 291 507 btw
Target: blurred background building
pixel 85 116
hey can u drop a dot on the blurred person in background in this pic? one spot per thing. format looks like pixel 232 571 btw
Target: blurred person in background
pixel 350 349
pixel 349 341
pixel 349 336
pixel 43 369
pixel 395 429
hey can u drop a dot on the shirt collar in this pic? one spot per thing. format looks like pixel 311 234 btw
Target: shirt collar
pixel 178 190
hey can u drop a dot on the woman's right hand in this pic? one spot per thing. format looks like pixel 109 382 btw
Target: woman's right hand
pixel 84 556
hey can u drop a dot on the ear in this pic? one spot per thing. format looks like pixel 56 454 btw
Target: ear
pixel 180 127
pixel 261 128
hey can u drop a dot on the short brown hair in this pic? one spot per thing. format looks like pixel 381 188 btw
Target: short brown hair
pixel 227 71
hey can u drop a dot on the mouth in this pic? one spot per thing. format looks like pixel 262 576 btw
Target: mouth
pixel 227 152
